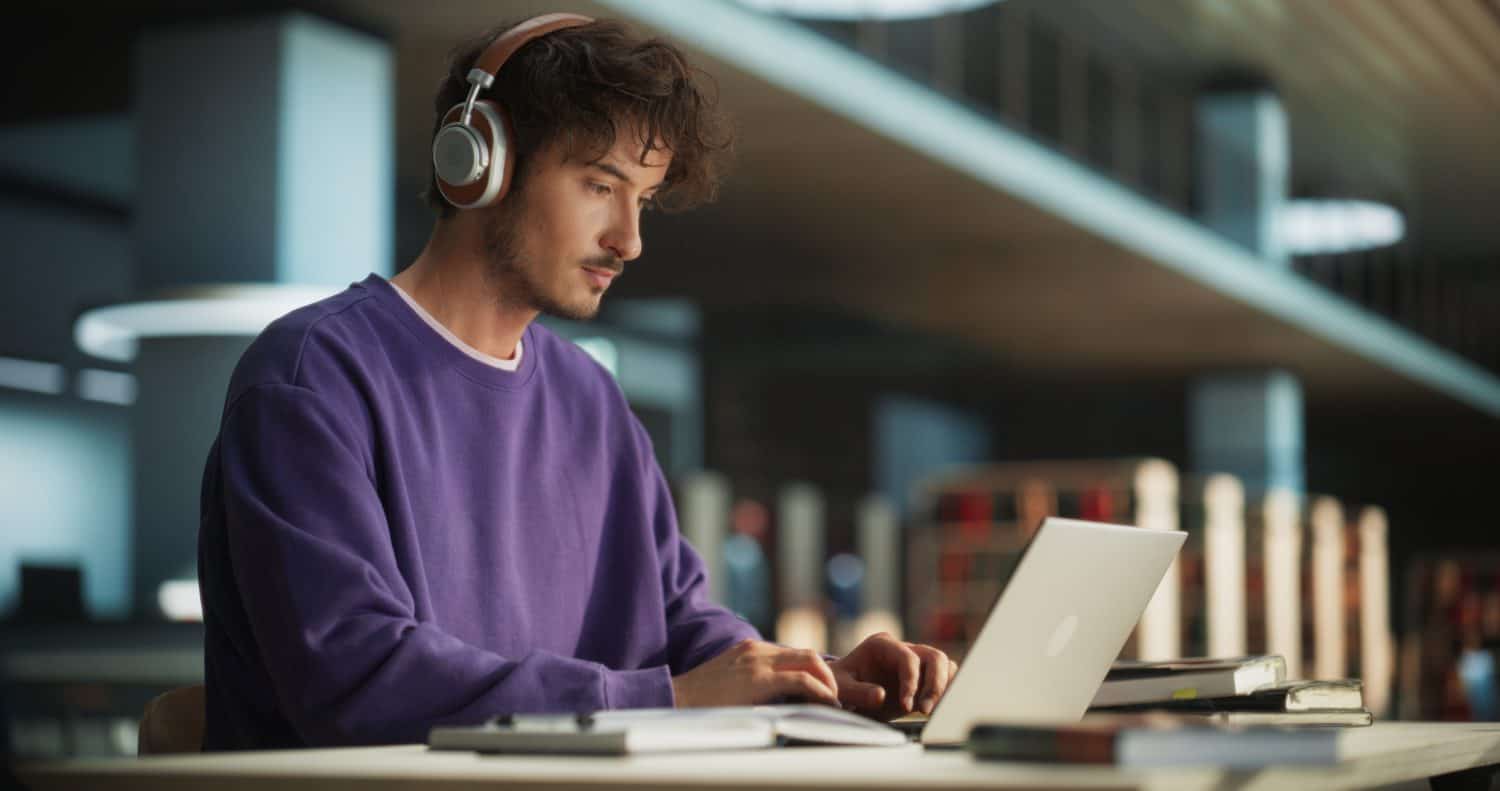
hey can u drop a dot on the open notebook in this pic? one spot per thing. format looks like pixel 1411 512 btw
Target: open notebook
pixel 667 730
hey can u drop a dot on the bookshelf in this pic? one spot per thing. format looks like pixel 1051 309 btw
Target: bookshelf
pixel 1304 577
pixel 1452 638
pixel 971 524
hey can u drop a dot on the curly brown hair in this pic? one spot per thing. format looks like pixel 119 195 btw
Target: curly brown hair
pixel 579 86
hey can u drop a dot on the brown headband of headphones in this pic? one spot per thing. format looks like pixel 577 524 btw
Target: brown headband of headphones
pixel 499 51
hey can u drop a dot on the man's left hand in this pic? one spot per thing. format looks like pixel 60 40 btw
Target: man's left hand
pixel 885 678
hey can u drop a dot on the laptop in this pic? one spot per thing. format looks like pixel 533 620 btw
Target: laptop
pixel 1061 620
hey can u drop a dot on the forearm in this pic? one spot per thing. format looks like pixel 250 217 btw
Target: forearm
pixel 379 682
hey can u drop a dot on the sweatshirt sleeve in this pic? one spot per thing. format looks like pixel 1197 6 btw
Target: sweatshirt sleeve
pixel 697 629
pixel 329 610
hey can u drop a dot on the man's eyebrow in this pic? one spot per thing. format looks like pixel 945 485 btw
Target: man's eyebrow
pixel 619 174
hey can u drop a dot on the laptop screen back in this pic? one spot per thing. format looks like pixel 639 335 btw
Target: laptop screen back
pixel 1061 620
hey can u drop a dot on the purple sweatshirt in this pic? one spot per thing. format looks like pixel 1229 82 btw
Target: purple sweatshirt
pixel 397 535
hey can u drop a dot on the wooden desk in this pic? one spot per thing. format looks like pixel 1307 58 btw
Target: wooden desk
pixel 1385 754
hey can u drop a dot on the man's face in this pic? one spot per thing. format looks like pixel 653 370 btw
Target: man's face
pixel 557 243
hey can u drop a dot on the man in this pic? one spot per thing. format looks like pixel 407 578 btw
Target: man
pixel 423 508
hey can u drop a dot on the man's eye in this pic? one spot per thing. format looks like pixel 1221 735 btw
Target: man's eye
pixel 599 189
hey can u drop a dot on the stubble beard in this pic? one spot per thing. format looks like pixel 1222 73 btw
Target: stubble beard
pixel 513 274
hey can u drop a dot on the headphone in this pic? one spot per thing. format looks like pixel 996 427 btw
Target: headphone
pixel 473 154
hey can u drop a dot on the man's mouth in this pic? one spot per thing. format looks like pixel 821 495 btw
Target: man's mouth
pixel 600 276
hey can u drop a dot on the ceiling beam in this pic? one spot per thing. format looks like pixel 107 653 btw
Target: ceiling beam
pixel 950 136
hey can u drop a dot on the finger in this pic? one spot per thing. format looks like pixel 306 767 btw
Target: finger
pixel 942 676
pixel 809 661
pixel 861 695
pixel 952 674
pixel 930 667
pixel 948 671
pixel 804 684
pixel 909 667
pixel 936 673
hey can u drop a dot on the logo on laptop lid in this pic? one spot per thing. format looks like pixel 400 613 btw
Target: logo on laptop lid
pixel 1062 635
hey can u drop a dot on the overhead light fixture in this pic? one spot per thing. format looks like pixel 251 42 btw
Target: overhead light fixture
pixel 1325 227
pixel 113 332
pixel 864 9
pixel 32 375
pixel 109 387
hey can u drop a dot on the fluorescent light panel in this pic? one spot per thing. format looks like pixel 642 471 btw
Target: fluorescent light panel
pixel 32 375
pixel 1325 227
pixel 110 387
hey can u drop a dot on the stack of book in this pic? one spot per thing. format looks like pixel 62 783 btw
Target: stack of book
pixel 1250 690
pixel 1154 739
pixel 1238 713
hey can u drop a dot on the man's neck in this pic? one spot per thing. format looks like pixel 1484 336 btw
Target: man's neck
pixel 448 280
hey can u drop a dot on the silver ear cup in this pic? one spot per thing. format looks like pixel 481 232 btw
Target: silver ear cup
pixel 459 157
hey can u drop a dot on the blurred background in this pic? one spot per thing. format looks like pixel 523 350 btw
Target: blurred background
pixel 1222 265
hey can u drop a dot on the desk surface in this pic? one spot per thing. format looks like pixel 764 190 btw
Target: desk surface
pixel 1385 753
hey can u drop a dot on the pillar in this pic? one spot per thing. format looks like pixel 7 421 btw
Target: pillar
pixel 266 180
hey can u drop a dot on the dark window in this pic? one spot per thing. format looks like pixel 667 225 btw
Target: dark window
pixel 1043 83
pixel 982 59
pixel 911 48
pixel 1101 131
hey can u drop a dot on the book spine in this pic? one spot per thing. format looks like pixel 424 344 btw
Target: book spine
pixel 1156 509
pixel 799 555
pixel 703 500
pixel 1329 657
pixel 1377 650
pixel 1224 561
pixel 1283 578
pixel 1042 745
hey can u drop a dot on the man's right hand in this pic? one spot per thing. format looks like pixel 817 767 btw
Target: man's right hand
pixel 752 673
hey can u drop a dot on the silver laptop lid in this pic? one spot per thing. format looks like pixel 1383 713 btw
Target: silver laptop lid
pixel 1062 618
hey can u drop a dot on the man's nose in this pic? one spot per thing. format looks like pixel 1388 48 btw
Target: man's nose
pixel 624 237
